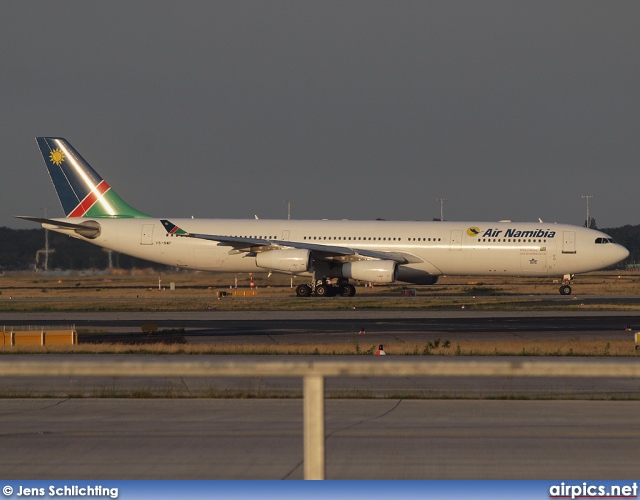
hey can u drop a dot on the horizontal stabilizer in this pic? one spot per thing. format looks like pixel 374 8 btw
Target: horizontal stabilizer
pixel 89 229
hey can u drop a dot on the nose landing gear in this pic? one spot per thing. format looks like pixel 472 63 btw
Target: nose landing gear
pixel 565 288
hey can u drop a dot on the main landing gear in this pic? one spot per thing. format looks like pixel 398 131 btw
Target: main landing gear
pixel 565 288
pixel 303 291
pixel 326 287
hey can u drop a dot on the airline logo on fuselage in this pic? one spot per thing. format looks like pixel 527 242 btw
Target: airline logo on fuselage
pixel 517 233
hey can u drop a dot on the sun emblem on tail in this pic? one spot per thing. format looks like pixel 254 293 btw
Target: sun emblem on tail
pixel 56 157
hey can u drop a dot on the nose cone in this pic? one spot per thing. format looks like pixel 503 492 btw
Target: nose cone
pixel 616 253
pixel 622 253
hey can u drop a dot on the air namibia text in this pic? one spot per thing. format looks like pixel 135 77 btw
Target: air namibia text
pixel 516 233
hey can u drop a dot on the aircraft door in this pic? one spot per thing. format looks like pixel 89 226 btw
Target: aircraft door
pixel 146 238
pixel 285 235
pixel 569 242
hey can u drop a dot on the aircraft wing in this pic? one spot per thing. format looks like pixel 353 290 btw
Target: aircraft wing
pixel 321 252
pixel 247 243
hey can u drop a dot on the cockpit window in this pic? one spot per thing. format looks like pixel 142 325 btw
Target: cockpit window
pixel 604 240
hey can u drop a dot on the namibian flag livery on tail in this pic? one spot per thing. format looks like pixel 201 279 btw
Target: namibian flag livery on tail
pixel 82 192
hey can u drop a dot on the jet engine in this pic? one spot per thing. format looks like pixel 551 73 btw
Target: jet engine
pixel 416 276
pixel 379 271
pixel 290 261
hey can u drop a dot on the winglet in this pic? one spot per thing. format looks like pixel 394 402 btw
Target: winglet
pixel 173 229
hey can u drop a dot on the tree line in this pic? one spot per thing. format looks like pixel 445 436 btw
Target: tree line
pixel 22 249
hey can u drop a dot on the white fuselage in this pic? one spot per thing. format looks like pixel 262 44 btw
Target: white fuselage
pixel 436 248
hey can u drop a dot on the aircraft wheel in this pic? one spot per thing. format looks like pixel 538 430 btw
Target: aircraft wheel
pixel 347 290
pixel 303 291
pixel 323 291
pixel 565 290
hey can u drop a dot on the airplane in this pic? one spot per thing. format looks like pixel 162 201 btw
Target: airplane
pixel 330 253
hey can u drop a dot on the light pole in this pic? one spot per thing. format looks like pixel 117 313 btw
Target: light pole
pixel 288 202
pixel 587 196
pixel 46 244
pixel 441 200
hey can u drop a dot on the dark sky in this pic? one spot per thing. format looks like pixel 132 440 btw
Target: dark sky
pixel 358 110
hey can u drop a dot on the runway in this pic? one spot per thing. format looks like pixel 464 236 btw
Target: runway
pixel 336 326
pixel 365 439
pixel 413 328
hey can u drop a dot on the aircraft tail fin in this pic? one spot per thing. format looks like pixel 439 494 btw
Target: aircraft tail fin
pixel 81 190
